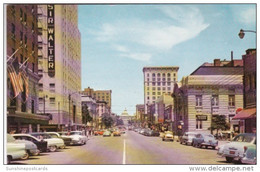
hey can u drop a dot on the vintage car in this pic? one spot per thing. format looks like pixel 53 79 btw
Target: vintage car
pixel 67 140
pixel 107 133
pixel 14 150
pixel 152 133
pixel 41 144
pixel 78 137
pixel 235 149
pixel 249 155
pixel 98 132
pixel 204 140
pixel 52 143
pixel 116 133
pixel 187 138
pixel 168 135
pixel 30 148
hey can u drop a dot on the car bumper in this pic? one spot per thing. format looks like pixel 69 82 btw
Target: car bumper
pixel 75 142
pixel 248 161
pixel 34 151
pixel 209 144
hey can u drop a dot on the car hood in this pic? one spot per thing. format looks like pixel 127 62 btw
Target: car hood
pixel 54 141
pixel 12 146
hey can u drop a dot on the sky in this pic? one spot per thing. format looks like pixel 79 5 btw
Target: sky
pixel 117 41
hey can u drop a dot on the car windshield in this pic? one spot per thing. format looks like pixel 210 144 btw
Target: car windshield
pixel 244 138
pixel 53 135
pixel 41 136
pixel 75 133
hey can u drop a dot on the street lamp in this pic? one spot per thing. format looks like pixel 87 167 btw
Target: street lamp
pixel 241 33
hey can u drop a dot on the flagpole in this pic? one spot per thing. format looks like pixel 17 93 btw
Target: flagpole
pixel 14 53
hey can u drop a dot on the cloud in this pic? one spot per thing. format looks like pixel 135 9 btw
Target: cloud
pixel 248 16
pixel 177 24
pixel 137 56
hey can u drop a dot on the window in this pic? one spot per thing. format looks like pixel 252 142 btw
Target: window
pixel 168 75
pixel 231 100
pixel 148 88
pixel 52 85
pixel 252 83
pixel 169 88
pixel 25 17
pixel 153 83
pixel 147 93
pixel 21 58
pixel 168 79
pixel 153 93
pixel 198 124
pixel 21 14
pixel 174 74
pixel 158 83
pixel 153 97
pixel 214 100
pixel 158 88
pixel 163 74
pixel 33 67
pixel 21 36
pixel 25 39
pixel 159 93
pixel 163 88
pixel 158 79
pixel 153 79
pixel 13 28
pixel 199 100
pixel 163 83
pixel 153 74
pixel 52 100
pixel 153 88
pixel 168 83
pixel 147 75
pixel 32 106
pixel 158 75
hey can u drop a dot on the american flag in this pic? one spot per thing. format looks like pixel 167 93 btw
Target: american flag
pixel 20 81
pixel 14 80
pixel 26 80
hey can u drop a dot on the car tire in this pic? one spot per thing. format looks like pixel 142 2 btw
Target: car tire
pixel 162 139
pixel 229 159
pixel 26 156
pixel 53 148
pixel 9 159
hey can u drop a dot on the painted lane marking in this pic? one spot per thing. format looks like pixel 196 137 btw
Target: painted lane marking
pixel 124 153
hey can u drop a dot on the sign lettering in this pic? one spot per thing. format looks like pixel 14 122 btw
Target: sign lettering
pixel 51 40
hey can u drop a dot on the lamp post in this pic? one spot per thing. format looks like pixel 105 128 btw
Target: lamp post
pixel 241 33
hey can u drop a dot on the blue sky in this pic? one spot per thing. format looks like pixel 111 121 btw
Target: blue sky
pixel 117 41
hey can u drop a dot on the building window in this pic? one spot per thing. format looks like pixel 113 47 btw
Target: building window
pixel 169 88
pixel 159 93
pixel 214 101
pixel 32 106
pixel 231 100
pixel 158 79
pixel 153 97
pixel 158 75
pixel 198 124
pixel 153 83
pixel 148 98
pixel 25 17
pixel 147 93
pixel 252 83
pixel 174 74
pixel 198 100
pixel 153 79
pixel 158 83
pixel 153 88
pixel 158 88
pixel 52 100
pixel 168 75
pixel 163 83
pixel 163 88
pixel 168 83
pixel 153 93
pixel 147 75
pixel 148 79
pixel 168 79
pixel 153 74
pixel 21 36
pixel 13 28
pixel 21 14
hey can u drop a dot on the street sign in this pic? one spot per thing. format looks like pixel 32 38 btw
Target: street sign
pixel 202 117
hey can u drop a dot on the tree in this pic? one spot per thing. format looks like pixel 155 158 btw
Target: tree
pixel 85 115
pixel 107 120
pixel 219 123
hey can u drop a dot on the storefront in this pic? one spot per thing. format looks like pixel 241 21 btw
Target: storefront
pixel 247 120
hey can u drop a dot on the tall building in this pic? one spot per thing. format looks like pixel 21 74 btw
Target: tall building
pixel 247 116
pixel 158 81
pixel 91 104
pixel 209 91
pixel 22 69
pixel 59 63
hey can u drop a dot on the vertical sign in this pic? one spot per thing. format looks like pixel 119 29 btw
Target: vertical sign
pixel 51 40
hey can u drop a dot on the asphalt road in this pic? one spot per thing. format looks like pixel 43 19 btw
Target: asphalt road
pixel 130 148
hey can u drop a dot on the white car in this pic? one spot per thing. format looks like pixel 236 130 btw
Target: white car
pixel 30 147
pixel 78 137
pixel 14 150
pixel 235 149
pixel 52 143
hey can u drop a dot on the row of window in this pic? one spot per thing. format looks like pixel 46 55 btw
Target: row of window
pixel 159 75
pixel 159 88
pixel 159 83
pixel 159 79
pixel 215 100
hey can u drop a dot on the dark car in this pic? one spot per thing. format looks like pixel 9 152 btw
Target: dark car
pixel 41 145
pixel 205 140
pixel 187 138
pixel 154 133
pixel 147 132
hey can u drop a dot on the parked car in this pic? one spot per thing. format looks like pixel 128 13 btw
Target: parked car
pixel 154 133
pixel 78 137
pixel 249 155
pixel 116 133
pixel 98 132
pixel 14 150
pixel 30 148
pixel 52 143
pixel 205 140
pixel 107 133
pixel 62 135
pixel 146 132
pixel 235 149
pixel 142 131
pixel 41 144
pixel 187 138
pixel 168 135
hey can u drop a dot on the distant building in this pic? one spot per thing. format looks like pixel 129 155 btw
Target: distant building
pixel 208 91
pixel 91 104
pixel 100 95
pixel 102 109
pixel 158 81
pixel 247 117
pixel 125 117
pixel 139 111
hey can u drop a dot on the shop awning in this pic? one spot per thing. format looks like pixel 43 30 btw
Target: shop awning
pixel 246 114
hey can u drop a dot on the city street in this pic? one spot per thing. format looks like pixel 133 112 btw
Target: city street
pixel 130 148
